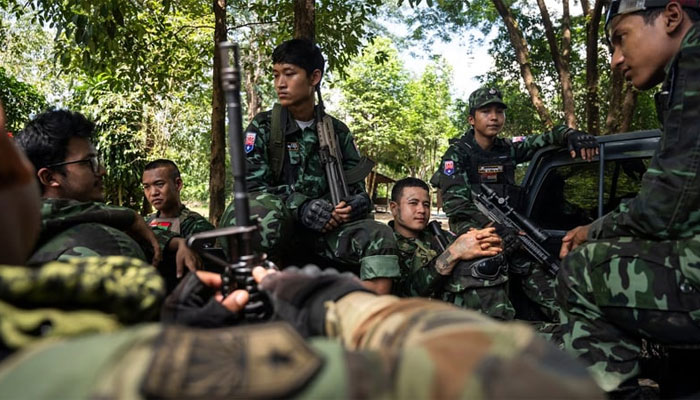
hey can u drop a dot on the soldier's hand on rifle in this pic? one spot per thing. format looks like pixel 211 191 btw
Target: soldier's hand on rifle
pixel 477 243
pixel 140 231
pixel 581 143
pixel 573 239
pixel 317 215
pixel 197 301
pixel 342 212
pixel 359 206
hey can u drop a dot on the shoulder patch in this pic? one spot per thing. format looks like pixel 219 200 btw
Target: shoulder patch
pixel 517 139
pixel 249 142
pixel 449 167
pixel 255 361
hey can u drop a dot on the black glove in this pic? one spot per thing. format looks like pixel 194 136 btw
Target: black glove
pixel 298 295
pixel 192 303
pixel 315 214
pixel 360 206
pixel 509 236
pixel 578 140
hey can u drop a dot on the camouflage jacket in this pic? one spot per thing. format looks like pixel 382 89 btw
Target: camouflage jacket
pixel 78 296
pixel 381 347
pixel 667 205
pixel 72 228
pixel 303 176
pixel 420 278
pixel 466 164
pixel 190 222
pixel 417 262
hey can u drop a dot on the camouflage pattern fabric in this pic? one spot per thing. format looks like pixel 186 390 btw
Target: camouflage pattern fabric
pixel 390 349
pixel 365 247
pixel 452 177
pixel 419 278
pixel 303 176
pixel 81 229
pixel 80 295
pixel 190 222
pixel 484 96
pixel 642 279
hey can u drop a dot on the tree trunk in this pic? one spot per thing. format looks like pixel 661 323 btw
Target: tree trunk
pixel 561 58
pixel 586 8
pixel 217 172
pixel 566 85
pixel 523 57
pixel 612 122
pixel 628 105
pixel 592 110
pixel 304 17
pixel 252 64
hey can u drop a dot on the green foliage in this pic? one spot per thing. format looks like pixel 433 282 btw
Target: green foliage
pixel 21 100
pixel 400 122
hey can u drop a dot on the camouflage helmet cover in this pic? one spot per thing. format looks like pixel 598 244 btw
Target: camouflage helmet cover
pixel 484 96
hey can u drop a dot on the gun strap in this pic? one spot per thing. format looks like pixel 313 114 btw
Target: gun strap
pixel 359 171
pixel 275 149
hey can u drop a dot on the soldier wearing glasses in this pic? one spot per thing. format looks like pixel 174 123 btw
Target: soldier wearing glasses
pixel 74 221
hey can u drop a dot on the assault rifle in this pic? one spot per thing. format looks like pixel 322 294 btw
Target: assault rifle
pixel 330 154
pixel 237 270
pixel 497 209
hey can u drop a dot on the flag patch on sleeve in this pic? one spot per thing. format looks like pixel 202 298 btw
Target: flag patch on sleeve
pixel 449 168
pixel 249 142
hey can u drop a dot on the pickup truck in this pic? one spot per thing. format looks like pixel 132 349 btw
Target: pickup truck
pixel 562 193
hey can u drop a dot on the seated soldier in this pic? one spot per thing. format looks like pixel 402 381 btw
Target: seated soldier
pixel 437 351
pixel 161 185
pixel 428 271
pixel 290 192
pixel 74 221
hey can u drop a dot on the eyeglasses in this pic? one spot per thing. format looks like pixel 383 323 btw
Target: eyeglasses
pixel 93 160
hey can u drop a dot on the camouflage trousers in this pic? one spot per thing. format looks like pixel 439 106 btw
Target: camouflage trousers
pixel 614 293
pixel 365 247
pixel 490 300
pixel 531 289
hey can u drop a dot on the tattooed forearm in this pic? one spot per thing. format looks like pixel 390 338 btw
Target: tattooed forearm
pixel 445 262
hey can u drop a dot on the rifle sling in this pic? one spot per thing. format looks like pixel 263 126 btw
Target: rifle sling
pixel 275 150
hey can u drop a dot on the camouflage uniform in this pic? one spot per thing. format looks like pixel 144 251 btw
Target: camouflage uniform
pixel 80 229
pixel 419 278
pixel 383 348
pixel 190 222
pixel 639 274
pixel 365 246
pixel 466 165
pixel 78 296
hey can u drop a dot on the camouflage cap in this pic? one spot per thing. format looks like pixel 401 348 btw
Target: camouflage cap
pixel 484 96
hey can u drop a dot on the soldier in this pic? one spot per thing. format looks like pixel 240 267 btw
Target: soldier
pixel 75 222
pixel 480 156
pixel 635 274
pixel 403 355
pixel 426 271
pixel 289 189
pixel 161 185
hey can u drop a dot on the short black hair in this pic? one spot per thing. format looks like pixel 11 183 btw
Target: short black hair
pixel 397 190
pixel 300 52
pixel 162 162
pixel 45 138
